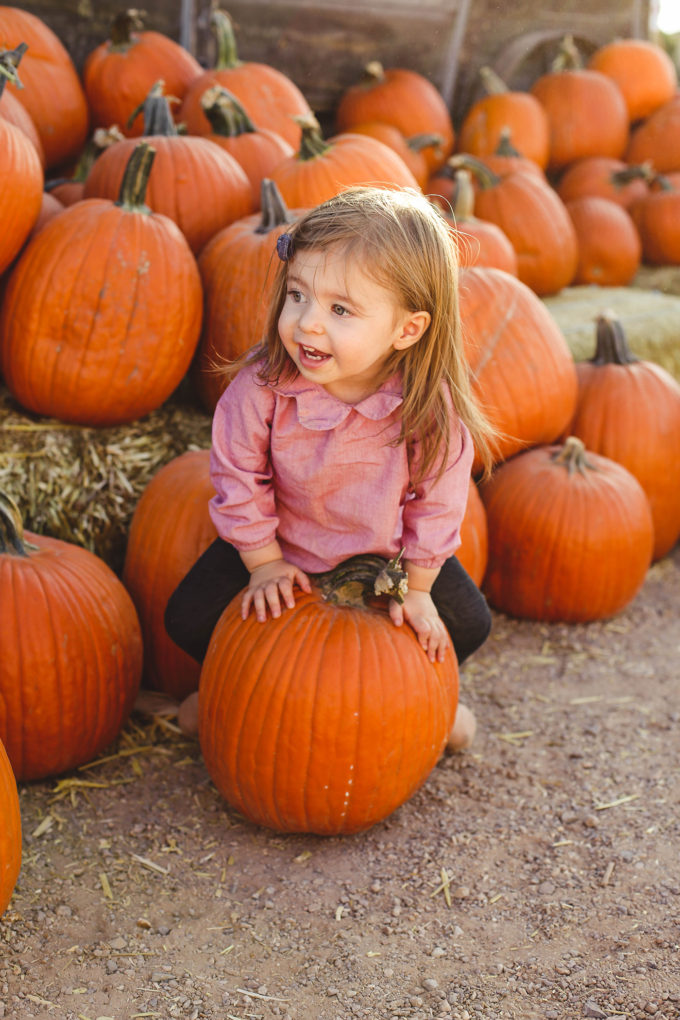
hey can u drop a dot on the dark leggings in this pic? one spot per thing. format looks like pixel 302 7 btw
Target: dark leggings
pixel 219 575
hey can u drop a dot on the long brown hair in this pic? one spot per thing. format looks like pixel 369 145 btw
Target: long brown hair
pixel 404 243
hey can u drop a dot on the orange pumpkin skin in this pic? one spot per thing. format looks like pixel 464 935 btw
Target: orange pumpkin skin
pixel 394 139
pixel 52 92
pixel 71 658
pixel 12 110
pixel 170 528
pixel 473 552
pixel 629 410
pixel 643 71
pixel 523 372
pixel 565 544
pixel 21 186
pixel 10 831
pixel 110 339
pixel 487 119
pixel 657 139
pixel 657 218
pixel 609 246
pixel 322 721
pixel 603 177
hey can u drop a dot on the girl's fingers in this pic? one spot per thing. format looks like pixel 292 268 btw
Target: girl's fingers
pixel 286 589
pixel 396 613
pixel 303 580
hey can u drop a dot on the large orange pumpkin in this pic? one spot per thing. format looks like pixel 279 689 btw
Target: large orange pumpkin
pixel 70 651
pixel 657 139
pixel 609 247
pixel 118 73
pixel 52 93
pixel 643 71
pixel 629 410
pixel 324 720
pixel 170 528
pixel 522 369
pixel 473 552
pixel 570 535
pixel 270 98
pixel 102 312
pixel 10 831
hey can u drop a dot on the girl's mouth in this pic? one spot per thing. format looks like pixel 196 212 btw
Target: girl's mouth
pixel 311 355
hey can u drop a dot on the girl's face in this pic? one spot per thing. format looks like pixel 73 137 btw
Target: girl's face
pixel 339 325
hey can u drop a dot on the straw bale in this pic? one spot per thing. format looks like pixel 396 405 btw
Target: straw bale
pixel 82 484
pixel 650 318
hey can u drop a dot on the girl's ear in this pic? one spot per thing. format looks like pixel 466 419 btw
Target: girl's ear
pixel 411 330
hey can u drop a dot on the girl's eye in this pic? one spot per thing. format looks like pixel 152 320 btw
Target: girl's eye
pixel 295 296
pixel 340 310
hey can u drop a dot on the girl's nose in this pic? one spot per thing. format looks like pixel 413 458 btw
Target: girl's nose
pixel 310 319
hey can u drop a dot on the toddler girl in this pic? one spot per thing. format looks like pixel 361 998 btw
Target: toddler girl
pixel 350 429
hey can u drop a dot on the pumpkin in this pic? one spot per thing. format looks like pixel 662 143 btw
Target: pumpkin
pixel 522 369
pixel 71 651
pixel 657 139
pixel 119 73
pixel 570 535
pixel 323 168
pixel 52 93
pixel 505 159
pixel 193 182
pixel 326 719
pixel 657 218
pixel 270 98
pixel 237 275
pixel 403 98
pixel 473 551
pixel 72 189
pixel 12 111
pixel 609 247
pixel 480 242
pixel 586 111
pixel 10 831
pixel 642 70
pixel 257 150
pixel 169 530
pixel 629 410
pixel 102 311
pixel 502 111
pixel 50 208
pixel 603 177
pixel 410 149
pixel 21 176
pixel 535 220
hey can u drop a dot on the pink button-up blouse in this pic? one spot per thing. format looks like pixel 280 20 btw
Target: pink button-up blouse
pixel 293 463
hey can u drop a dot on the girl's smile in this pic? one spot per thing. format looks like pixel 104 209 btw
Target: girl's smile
pixel 339 326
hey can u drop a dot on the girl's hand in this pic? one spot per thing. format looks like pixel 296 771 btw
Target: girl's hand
pixel 420 612
pixel 269 583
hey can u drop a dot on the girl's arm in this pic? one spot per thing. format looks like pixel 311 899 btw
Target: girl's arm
pixel 420 612
pixel 271 579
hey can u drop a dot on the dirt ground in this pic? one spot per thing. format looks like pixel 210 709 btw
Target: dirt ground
pixel 536 875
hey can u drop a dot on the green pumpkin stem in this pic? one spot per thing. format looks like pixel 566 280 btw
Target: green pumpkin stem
pixel 482 173
pixel 611 345
pixel 492 82
pixel 424 141
pixel 223 30
pixel 122 27
pixel 312 143
pixel 135 181
pixel 101 140
pixel 568 57
pixel 636 172
pixel 228 118
pixel 156 110
pixel 573 456
pixel 361 579
pixel 9 61
pixel 274 210
pixel 505 146
pixel 11 528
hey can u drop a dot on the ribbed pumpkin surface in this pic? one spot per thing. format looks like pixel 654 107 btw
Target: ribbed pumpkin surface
pixel 70 657
pixel 10 831
pixel 322 721
pixel 21 185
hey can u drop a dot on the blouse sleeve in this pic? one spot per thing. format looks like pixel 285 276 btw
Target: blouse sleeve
pixel 433 516
pixel 243 509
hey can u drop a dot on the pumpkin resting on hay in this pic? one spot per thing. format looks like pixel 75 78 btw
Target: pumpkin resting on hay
pixel 324 720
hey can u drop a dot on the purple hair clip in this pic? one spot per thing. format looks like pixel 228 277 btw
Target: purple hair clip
pixel 284 247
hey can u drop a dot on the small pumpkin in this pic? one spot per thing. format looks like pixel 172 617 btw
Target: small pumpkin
pixel 169 530
pixel 505 111
pixel 326 719
pixel 70 651
pixel 411 149
pixel 10 831
pixel 657 218
pixel 656 139
pixel 643 71
pixel 480 242
pixel 473 552
pixel 12 111
pixel 570 535
pixel 604 177
pixel 609 246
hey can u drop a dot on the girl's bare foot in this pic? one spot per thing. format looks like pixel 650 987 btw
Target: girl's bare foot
pixel 463 730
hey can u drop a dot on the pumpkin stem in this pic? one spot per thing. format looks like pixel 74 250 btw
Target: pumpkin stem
pixel 122 27
pixel 9 61
pixel 136 178
pixel 156 109
pixel 358 580
pixel 463 203
pixel 274 210
pixel 311 143
pixel 637 172
pixel 223 30
pixel 101 140
pixel 573 456
pixel 568 57
pixel 505 146
pixel 482 173
pixel 492 82
pixel 373 73
pixel 227 116
pixel 424 141
pixel 11 528
pixel 611 343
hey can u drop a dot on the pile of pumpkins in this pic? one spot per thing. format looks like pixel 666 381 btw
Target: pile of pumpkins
pixel 134 252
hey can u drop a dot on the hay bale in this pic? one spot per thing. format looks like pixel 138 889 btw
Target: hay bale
pixel 651 320
pixel 82 484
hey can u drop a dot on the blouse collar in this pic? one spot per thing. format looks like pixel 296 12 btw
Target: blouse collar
pixel 319 410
